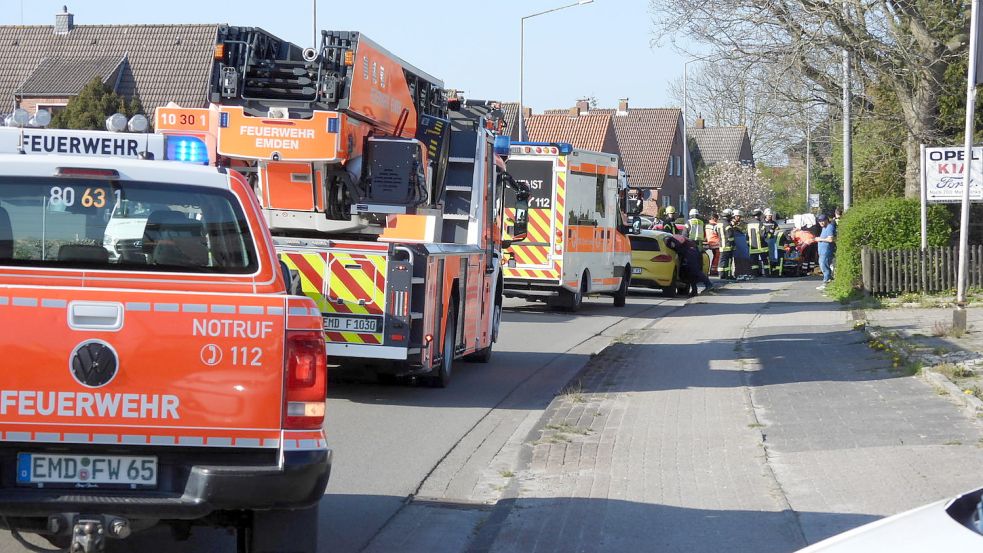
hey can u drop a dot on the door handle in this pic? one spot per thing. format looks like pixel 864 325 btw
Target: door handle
pixel 95 315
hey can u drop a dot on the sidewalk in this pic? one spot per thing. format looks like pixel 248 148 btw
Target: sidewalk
pixel 755 419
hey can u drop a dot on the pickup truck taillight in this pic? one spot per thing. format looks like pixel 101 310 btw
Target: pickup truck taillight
pixel 307 377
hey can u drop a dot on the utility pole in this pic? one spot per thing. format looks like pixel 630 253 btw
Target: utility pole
pixel 972 78
pixel 808 166
pixel 847 127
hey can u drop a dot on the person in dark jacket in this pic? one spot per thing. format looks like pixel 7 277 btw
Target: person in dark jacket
pixel 690 264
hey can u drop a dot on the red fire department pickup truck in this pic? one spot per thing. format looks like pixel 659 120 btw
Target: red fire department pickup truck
pixel 156 371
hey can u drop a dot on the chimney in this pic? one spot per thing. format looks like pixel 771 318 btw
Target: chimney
pixel 64 22
pixel 583 106
pixel 575 111
pixel 623 106
pixel 700 123
pixel 526 113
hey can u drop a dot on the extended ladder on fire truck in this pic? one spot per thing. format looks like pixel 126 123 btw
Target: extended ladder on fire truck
pixel 390 214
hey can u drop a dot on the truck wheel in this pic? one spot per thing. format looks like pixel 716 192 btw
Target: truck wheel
pixel 282 531
pixel 484 355
pixel 621 296
pixel 574 300
pixel 441 376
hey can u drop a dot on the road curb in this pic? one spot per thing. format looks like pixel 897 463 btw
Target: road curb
pixel 972 405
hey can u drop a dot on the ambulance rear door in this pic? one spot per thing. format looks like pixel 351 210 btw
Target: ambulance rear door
pixel 538 256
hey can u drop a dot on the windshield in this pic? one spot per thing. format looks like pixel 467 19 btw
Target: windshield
pixel 112 225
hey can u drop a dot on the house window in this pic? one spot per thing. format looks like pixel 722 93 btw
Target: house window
pixel 670 165
pixel 679 166
pixel 51 108
pixel 666 200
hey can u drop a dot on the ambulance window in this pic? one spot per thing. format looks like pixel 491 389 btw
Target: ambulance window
pixel 599 199
pixel 125 226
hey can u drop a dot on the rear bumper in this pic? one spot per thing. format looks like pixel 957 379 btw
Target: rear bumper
pixel 531 288
pixel 393 353
pixel 299 483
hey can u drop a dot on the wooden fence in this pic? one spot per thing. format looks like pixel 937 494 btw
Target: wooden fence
pixel 888 272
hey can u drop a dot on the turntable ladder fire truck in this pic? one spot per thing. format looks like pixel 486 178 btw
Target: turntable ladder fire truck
pixel 386 208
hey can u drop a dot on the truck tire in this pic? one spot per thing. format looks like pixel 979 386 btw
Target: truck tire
pixel 575 300
pixel 283 531
pixel 484 355
pixel 621 296
pixel 441 375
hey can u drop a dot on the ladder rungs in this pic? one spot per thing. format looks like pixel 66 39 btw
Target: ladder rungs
pixel 460 160
pixel 457 188
pixel 455 217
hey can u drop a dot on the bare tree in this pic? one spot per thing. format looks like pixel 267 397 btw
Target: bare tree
pixel 906 45
pixel 774 109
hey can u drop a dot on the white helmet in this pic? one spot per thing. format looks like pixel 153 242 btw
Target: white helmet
pixel 768 212
pixel 737 213
pixel 693 212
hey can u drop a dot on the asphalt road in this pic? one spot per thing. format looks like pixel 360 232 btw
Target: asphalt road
pixel 399 441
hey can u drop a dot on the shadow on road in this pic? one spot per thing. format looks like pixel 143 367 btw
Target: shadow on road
pixel 527 524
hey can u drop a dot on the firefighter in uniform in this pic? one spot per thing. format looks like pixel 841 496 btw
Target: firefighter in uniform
pixel 669 220
pixel 725 267
pixel 772 235
pixel 757 239
pixel 696 229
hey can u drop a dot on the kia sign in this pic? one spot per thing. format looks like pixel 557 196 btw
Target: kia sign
pixel 944 170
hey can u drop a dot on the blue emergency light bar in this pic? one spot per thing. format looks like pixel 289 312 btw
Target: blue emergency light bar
pixel 186 149
pixel 502 144
pixel 565 149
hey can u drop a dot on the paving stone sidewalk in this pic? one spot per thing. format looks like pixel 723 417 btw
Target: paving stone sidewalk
pixel 756 419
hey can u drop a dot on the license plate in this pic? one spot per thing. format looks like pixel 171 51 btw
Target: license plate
pixel 636 270
pixel 353 324
pixel 83 471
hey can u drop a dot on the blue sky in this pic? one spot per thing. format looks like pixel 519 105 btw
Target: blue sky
pixel 600 49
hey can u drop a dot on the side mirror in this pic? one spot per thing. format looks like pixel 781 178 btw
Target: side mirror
pixel 516 198
pixel 636 225
pixel 631 206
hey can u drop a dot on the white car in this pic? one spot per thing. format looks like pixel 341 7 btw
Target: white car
pixel 950 525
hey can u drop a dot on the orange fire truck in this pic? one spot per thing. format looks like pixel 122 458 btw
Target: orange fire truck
pixel 387 207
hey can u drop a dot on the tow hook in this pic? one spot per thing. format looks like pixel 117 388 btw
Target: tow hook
pixel 89 533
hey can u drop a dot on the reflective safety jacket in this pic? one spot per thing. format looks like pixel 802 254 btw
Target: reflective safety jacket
pixel 726 236
pixel 696 230
pixel 757 241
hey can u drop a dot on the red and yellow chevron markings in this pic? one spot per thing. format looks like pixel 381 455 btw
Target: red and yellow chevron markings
pixel 355 284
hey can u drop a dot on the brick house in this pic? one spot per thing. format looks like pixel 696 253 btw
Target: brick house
pixel 47 65
pixel 716 144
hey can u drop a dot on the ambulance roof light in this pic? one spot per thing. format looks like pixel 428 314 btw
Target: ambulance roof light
pixel 116 122
pixel 138 123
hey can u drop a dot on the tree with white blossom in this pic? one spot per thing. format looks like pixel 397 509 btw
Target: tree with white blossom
pixel 733 185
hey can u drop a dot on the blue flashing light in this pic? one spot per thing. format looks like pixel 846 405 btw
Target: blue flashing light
pixel 502 144
pixel 565 148
pixel 187 149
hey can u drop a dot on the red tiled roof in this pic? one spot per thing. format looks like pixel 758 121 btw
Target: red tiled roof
pixel 645 137
pixel 164 62
pixel 588 131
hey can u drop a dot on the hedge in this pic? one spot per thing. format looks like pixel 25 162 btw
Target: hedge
pixel 882 223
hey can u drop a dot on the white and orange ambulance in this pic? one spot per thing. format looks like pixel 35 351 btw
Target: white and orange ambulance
pixel 156 370
pixel 576 244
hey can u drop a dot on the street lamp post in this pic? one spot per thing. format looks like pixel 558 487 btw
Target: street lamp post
pixel 684 208
pixel 522 46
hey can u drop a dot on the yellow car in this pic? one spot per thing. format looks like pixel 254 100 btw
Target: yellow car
pixel 656 265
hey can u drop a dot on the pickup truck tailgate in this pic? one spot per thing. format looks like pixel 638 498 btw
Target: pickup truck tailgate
pixel 140 367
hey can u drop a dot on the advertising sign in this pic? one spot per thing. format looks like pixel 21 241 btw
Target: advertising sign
pixel 944 169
